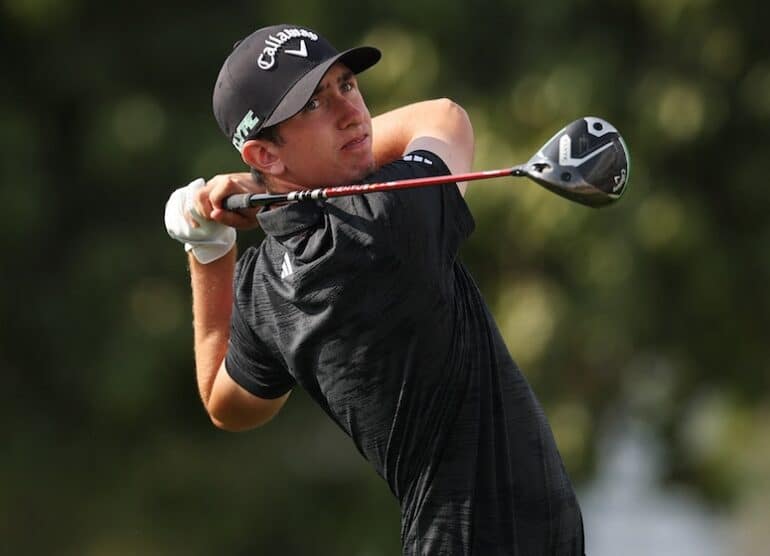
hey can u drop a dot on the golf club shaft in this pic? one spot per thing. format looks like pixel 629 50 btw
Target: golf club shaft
pixel 247 200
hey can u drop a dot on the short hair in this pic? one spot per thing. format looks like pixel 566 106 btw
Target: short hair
pixel 270 134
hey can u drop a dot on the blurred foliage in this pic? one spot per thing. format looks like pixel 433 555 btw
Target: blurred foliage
pixel 656 307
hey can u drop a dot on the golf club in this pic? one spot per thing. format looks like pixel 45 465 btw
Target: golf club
pixel 586 162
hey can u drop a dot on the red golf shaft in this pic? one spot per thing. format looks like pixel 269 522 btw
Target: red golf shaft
pixel 343 190
pixel 247 200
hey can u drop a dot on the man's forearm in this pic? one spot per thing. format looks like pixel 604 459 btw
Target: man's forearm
pixel 393 131
pixel 212 288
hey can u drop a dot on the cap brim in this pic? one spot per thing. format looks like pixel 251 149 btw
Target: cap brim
pixel 357 59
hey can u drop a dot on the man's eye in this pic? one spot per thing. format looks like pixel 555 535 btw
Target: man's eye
pixel 312 104
pixel 347 86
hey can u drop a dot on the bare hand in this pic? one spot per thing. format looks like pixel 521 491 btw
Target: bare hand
pixel 208 200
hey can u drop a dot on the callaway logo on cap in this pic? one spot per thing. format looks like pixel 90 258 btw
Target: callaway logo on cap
pixel 271 75
pixel 273 44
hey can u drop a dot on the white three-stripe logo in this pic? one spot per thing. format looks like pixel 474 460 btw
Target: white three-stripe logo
pixel 302 52
pixel 286 268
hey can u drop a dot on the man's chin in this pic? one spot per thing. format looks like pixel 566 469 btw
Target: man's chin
pixel 359 176
pixel 370 168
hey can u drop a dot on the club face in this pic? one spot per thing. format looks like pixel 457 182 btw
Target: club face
pixel 586 162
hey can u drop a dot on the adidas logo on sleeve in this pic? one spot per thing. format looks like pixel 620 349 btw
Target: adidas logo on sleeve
pixel 417 158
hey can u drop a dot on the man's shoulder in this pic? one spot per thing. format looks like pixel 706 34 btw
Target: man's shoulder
pixel 414 163
pixel 372 211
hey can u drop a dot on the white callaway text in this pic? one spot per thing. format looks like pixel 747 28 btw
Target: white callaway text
pixel 273 43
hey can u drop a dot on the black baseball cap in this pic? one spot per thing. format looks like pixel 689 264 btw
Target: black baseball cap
pixel 272 74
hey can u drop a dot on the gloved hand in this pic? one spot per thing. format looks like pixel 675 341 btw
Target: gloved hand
pixel 208 240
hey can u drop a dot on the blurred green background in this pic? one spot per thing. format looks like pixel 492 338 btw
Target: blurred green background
pixel 640 326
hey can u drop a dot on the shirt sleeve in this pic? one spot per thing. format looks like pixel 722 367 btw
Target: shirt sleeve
pixel 249 360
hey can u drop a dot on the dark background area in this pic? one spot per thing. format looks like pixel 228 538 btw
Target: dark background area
pixel 655 309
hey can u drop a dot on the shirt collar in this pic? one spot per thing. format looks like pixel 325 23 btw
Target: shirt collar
pixel 289 219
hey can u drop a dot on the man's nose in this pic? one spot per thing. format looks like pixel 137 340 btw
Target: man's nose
pixel 349 112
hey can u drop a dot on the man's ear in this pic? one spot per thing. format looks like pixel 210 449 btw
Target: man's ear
pixel 263 156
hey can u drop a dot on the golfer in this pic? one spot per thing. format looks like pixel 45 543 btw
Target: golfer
pixel 362 302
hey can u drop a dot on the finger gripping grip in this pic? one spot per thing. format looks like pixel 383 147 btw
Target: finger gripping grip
pixel 235 202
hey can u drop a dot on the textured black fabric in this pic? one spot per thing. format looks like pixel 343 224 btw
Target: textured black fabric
pixel 387 331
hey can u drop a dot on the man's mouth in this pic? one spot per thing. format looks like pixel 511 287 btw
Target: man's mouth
pixel 355 142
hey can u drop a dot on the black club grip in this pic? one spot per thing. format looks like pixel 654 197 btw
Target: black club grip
pixel 235 202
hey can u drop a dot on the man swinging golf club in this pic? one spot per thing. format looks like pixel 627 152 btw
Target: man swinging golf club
pixel 362 302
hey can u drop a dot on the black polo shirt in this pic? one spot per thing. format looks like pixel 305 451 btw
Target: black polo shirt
pixel 361 300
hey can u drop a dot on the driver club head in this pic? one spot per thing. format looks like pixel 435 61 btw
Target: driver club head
pixel 586 162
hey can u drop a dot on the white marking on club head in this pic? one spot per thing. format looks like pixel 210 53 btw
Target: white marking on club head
pixel 565 152
pixel 620 180
pixel 598 127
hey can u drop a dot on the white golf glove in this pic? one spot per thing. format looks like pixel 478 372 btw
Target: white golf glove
pixel 210 240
